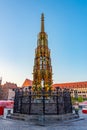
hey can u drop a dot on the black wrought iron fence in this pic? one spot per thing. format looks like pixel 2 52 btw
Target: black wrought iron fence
pixel 54 102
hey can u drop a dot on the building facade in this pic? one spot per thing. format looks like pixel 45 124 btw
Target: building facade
pixel 77 88
pixel 8 91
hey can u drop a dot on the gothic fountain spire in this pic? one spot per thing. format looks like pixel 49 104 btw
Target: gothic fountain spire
pixel 42 70
pixel 42 22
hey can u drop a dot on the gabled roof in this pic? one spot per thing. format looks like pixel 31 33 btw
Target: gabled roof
pixel 27 83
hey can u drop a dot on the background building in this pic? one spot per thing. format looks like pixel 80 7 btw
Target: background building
pixel 27 83
pixel 8 91
pixel 77 88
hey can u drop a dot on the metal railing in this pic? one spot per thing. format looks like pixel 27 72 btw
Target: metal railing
pixel 45 103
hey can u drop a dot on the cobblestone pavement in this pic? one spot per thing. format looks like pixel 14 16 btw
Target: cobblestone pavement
pixel 9 124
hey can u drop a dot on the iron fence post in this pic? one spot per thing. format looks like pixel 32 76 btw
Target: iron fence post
pixel 43 93
pixel 21 96
pixel 57 88
pixel 29 100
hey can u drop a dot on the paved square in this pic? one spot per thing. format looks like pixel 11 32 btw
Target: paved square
pixel 9 124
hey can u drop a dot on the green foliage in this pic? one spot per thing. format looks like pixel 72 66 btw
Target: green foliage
pixel 73 100
pixel 79 99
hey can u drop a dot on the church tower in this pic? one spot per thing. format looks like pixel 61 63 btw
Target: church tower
pixel 42 70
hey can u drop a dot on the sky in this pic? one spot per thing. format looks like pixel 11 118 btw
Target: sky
pixel 66 26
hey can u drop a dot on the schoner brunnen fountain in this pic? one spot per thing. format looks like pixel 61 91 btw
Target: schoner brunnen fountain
pixel 41 98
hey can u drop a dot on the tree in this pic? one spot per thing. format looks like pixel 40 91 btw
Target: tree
pixel 80 99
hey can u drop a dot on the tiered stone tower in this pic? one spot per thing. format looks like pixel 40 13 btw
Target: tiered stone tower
pixel 42 71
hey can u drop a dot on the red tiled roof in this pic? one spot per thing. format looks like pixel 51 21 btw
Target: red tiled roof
pixel 27 83
pixel 71 85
